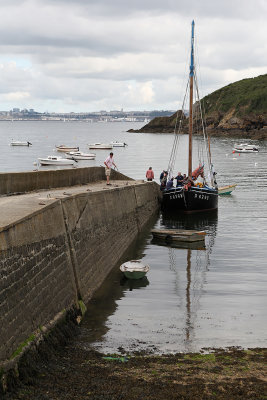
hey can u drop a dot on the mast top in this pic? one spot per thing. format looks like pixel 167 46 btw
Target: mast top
pixel 192 50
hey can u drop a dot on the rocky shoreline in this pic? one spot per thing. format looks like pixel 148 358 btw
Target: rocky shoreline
pixel 221 125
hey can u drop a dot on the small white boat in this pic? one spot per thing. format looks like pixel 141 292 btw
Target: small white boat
pixel 19 143
pixel 100 146
pixel 134 269
pixel 119 144
pixel 226 189
pixel 54 160
pixel 245 148
pixel 66 149
pixel 78 155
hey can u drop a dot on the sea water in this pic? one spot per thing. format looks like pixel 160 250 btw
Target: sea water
pixel 191 298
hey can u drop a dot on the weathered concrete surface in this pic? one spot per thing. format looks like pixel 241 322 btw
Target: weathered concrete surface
pixel 57 246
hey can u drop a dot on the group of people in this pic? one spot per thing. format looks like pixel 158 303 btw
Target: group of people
pixel 166 184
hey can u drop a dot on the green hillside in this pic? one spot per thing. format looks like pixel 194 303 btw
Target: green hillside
pixel 248 96
pixel 238 109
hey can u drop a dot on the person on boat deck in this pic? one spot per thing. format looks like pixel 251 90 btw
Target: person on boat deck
pixel 150 174
pixel 162 175
pixel 179 179
pixel 188 182
pixel 199 171
pixel 163 181
pixel 108 164
pixel 169 184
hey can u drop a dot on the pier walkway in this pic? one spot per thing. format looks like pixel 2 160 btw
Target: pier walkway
pixel 13 208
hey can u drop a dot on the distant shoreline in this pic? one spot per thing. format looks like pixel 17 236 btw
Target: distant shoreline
pixel 68 120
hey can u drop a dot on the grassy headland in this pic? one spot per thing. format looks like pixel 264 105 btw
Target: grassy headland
pixel 238 109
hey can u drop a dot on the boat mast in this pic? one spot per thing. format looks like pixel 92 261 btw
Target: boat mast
pixel 191 77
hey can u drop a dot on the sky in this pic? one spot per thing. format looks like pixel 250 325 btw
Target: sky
pixel 91 55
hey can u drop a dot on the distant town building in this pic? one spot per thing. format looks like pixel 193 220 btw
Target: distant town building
pixel 97 116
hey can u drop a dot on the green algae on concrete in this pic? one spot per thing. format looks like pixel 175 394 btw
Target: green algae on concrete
pixel 22 346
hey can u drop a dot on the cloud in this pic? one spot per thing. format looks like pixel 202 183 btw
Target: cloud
pixel 16 96
pixel 143 93
pixel 72 55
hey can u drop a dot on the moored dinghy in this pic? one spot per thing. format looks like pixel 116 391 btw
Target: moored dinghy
pixel 118 144
pixel 54 160
pixel 66 149
pixel 19 143
pixel 134 269
pixel 100 146
pixel 245 148
pixel 226 189
pixel 78 155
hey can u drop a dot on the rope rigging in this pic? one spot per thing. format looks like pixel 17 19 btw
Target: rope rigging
pixel 204 156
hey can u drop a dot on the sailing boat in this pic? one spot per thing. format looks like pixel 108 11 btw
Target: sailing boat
pixel 192 196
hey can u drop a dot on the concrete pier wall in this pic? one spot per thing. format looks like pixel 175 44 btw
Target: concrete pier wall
pixel 21 182
pixel 60 254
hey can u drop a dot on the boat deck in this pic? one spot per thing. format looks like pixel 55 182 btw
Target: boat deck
pixel 16 207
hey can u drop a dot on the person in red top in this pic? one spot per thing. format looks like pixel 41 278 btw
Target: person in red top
pixel 150 174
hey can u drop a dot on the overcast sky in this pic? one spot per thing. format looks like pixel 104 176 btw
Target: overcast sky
pixel 90 55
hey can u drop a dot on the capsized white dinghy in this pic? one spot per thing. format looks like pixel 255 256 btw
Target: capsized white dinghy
pixel 134 269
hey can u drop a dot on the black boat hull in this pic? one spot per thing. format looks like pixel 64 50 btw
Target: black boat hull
pixel 194 199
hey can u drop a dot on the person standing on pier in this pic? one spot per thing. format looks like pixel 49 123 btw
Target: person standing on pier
pixel 150 174
pixel 108 164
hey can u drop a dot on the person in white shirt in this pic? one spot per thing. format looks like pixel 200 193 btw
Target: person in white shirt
pixel 108 163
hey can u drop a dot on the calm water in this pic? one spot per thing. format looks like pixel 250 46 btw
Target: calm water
pixel 192 298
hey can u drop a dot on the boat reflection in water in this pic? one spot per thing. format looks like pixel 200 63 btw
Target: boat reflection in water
pixel 201 222
pixel 197 263
pixel 180 245
pixel 134 283
pixel 165 311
